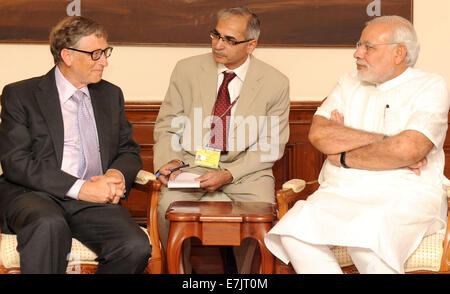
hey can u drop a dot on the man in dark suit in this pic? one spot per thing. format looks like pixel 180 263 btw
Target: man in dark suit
pixel 68 158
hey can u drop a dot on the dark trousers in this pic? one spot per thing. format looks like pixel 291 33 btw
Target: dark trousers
pixel 45 226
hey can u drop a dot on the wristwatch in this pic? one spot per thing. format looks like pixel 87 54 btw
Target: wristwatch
pixel 343 160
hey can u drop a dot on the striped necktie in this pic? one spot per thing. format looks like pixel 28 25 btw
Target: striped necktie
pixel 90 164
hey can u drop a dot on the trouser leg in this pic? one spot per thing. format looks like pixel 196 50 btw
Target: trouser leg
pixel 309 258
pixel 108 230
pixel 168 196
pixel 367 262
pixel 43 235
pixel 261 189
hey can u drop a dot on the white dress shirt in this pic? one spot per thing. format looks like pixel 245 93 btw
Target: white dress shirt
pixel 72 144
pixel 235 86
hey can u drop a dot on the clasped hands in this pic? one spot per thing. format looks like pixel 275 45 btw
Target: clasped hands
pixel 107 188
pixel 210 181
pixel 337 117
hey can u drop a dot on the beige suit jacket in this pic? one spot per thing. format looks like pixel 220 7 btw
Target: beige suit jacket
pixel 183 122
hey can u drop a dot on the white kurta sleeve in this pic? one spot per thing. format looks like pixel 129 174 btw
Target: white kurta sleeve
pixel 332 102
pixel 430 111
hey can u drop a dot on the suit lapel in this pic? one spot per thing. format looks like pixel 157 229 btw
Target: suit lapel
pixel 102 114
pixel 208 80
pixel 251 86
pixel 47 98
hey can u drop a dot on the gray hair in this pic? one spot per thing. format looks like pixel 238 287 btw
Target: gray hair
pixel 253 23
pixel 403 33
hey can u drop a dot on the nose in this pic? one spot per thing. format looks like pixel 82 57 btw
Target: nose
pixel 359 53
pixel 219 44
pixel 103 60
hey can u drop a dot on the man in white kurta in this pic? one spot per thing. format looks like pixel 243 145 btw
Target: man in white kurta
pixel 382 202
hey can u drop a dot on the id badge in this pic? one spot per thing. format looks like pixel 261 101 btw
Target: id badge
pixel 207 157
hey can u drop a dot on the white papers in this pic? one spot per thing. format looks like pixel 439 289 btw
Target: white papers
pixel 185 180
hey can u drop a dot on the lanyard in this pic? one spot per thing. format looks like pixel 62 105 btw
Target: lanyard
pixel 231 106
pixel 212 115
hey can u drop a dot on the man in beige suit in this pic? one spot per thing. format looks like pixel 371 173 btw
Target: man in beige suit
pixel 256 129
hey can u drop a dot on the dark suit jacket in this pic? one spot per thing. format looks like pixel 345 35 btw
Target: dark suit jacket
pixel 32 137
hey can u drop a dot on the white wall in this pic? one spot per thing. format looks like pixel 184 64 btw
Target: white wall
pixel 143 71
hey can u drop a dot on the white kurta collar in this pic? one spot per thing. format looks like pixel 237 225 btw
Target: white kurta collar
pixel 395 81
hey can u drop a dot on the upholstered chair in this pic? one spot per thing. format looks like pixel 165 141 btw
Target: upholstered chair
pixel 82 259
pixel 432 255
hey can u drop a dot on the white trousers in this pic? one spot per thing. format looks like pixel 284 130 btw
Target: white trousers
pixel 309 258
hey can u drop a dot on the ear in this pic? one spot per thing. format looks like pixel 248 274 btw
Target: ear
pixel 67 56
pixel 251 46
pixel 400 54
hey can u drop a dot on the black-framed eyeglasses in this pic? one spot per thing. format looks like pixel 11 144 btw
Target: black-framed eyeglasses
pixel 96 54
pixel 215 36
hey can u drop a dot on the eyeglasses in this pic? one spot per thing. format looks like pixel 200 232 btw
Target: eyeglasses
pixel 96 54
pixel 368 47
pixel 230 41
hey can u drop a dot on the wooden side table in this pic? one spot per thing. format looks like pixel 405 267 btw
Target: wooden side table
pixel 219 223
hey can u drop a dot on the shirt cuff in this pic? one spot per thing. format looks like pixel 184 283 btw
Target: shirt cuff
pixel 75 190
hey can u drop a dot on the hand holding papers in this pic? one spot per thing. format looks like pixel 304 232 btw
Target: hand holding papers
pixel 184 180
pixel 174 169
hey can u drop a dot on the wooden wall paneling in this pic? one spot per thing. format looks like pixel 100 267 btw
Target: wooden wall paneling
pixel 142 116
pixel 447 151
pixel 308 160
pixel 182 22
pixel 282 170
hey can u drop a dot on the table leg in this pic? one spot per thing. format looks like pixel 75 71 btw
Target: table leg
pixel 258 231
pixel 179 232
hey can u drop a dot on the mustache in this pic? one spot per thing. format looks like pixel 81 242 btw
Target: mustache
pixel 219 52
pixel 359 62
